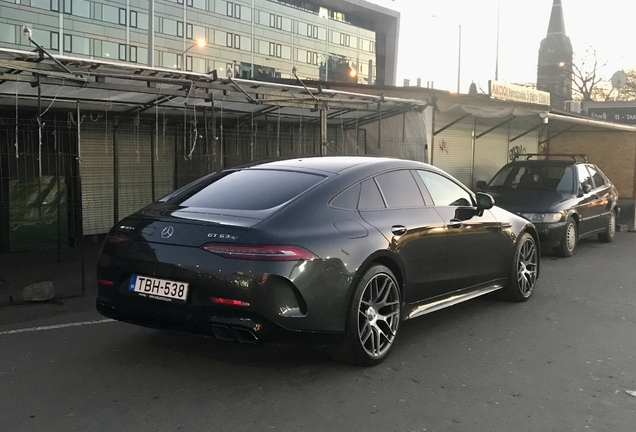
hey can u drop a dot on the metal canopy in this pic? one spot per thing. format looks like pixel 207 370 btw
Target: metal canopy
pixel 29 79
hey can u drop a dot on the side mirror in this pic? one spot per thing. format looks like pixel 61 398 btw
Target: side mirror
pixel 586 187
pixel 484 201
pixel 482 185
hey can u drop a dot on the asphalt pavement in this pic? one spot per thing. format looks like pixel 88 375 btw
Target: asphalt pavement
pixel 563 361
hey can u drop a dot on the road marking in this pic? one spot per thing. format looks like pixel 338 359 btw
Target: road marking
pixel 53 327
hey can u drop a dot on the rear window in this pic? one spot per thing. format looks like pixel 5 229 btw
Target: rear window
pixel 250 190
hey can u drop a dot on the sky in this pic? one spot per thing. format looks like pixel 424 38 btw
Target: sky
pixel 429 46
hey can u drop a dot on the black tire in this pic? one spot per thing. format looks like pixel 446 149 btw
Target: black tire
pixel 524 271
pixel 607 236
pixel 567 248
pixel 373 320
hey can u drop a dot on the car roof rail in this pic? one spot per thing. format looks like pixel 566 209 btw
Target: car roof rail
pixel 573 156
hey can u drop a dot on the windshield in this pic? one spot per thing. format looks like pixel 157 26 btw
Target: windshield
pixel 557 178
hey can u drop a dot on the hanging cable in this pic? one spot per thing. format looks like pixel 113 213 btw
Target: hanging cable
pixel 17 148
pixel 157 129
pixel 196 129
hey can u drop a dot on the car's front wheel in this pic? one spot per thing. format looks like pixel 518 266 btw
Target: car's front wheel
pixel 524 271
pixel 373 319
pixel 607 236
pixel 569 240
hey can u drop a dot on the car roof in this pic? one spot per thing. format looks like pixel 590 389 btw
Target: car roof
pixel 332 164
pixel 545 162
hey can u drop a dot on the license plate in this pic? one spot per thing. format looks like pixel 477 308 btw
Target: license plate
pixel 159 289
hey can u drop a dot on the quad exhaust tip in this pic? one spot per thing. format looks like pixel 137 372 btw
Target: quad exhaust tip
pixel 226 333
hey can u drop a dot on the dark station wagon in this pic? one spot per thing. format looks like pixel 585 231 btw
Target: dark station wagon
pixel 566 198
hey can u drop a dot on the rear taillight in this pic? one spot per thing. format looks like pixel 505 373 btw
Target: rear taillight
pixel 106 282
pixel 229 302
pixel 117 237
pixel 261 252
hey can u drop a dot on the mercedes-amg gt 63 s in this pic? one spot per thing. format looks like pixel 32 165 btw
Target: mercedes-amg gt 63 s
pixel 331 250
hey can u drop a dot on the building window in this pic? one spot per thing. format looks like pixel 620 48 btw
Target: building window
pixel 189 3
pixel 188 31
pixel 55 5
pixel 233 10
pixel 122 51
pixel 68 46
pixel 122 16
pixel 233 40
pixel 68 7
pixel 345 39
pixel 312 31
pixel 55 41
pixel 276 21
pixel 133 19
pixel 232 70
pixel 133 54
pixel 312 57
pixel 189 63
pixel 275 50
pixel 179 29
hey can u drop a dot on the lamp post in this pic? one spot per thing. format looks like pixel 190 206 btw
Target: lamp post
pixel 459 51
pixel 200 43
pixel 497 53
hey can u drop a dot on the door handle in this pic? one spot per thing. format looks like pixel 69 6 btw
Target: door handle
pixel 398 230
pixel 456 223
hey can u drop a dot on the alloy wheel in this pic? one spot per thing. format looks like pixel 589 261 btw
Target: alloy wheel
pixel 378 315
pixel 527 267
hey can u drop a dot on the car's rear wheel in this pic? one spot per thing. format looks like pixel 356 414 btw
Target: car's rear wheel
pixel 373 319
pixel 569 240
pixel 607 236
pixel 524 271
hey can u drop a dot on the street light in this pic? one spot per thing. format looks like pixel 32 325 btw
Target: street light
pixel 200 43
pixel 459 49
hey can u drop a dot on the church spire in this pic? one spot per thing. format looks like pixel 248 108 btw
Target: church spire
pixel 554 71
pixel 557 24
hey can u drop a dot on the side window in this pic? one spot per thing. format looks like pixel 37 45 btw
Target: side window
pixel 599 181
pixel 585 180
pixel 370 197
pixel 444 191
pixel 400 190
pixel 565 184
pixel 348 199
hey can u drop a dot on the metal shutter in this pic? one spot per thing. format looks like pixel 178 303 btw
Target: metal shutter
pixel 453 148
pixel 491 150
pixel 96 171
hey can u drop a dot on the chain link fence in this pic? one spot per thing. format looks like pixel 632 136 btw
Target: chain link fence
pixel 67 178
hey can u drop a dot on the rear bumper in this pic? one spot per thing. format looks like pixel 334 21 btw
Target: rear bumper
pixel 221 323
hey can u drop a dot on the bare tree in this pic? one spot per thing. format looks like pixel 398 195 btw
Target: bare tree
pixel 587 77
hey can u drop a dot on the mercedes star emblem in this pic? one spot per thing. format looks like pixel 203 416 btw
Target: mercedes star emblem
pixel 167 232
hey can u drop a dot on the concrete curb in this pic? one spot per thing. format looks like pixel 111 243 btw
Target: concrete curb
pixel 30 311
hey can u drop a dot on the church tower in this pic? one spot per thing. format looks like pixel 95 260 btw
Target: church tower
pixel 554 73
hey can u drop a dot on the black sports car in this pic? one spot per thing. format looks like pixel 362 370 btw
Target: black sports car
pixel 336 250
pixel 565 198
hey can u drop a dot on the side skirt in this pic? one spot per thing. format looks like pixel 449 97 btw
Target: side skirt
pixel 452 300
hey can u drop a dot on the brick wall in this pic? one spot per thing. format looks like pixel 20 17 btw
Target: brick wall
pixel 613 152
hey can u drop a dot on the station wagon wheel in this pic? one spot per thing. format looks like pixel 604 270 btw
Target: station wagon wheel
pixel 569 241
pixel 524 271
pixel 607 236
pixel 373 319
